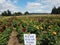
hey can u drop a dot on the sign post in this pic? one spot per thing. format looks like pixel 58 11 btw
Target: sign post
pixel 29 39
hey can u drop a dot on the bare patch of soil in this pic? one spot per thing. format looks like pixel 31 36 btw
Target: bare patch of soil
pixel 13 38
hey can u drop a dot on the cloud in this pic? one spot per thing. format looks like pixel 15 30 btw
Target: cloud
pixel 42 6
pixel 32 5
pixel 7 4
pixel 2 1
pixel 38 6
pixel 15 1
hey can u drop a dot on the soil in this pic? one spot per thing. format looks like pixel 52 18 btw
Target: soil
pixel 13 38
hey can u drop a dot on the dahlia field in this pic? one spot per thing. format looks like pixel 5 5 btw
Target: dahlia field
pixel 46 28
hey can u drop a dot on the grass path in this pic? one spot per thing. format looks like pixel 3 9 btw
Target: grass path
pixel 13 38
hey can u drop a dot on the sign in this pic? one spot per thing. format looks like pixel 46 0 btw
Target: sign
pixel 29 39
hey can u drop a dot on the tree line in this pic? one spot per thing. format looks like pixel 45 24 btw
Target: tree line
pixel 55 10
pixel 8 13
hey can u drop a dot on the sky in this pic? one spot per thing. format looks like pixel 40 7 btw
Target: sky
pixel 32 6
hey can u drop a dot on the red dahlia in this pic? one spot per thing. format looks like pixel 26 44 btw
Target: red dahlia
pixel 3 27
pixel 24 29
pixel 49 21
pixel 1 30
pixel 40 20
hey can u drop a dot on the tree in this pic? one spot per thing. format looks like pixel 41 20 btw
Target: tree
pixel 17 13
pixel 26 13
pixel 54 11
pixel 58 10
pixel 4 13
pixel 8 13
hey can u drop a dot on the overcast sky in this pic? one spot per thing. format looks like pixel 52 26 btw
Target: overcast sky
pixel 33 6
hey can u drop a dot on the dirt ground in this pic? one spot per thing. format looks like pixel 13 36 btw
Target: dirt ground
pixel 13 38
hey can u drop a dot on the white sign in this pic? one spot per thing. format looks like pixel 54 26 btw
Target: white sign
pixel 29 39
